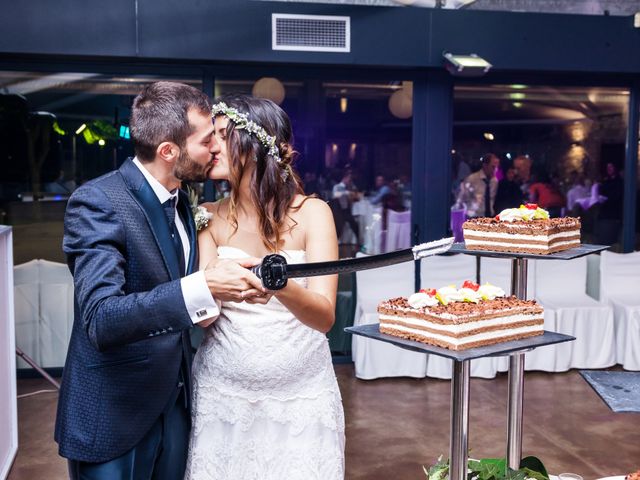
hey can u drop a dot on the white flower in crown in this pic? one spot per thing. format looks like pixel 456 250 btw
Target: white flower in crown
pixel 201 215
pixel 242 122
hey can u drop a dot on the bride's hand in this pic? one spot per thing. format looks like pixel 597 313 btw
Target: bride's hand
pixel 232 281
pixel 261 298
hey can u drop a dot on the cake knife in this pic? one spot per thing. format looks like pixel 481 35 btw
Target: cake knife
pixel 274 269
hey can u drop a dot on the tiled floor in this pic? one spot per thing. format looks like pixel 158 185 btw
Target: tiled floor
pixel 395 426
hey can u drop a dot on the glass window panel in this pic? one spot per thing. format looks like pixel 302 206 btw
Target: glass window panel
pixel 345 126
pixel 570 141
pixel 59 130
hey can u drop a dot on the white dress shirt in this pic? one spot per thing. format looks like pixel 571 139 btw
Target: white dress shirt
pixel 473 187
pixel 197 297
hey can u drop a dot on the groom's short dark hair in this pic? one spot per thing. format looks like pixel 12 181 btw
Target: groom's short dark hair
pixel 159 114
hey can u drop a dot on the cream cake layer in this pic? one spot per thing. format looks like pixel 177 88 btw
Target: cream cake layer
pixel 519 248
pixel 519 237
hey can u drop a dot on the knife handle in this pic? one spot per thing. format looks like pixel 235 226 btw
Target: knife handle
pixel 272 271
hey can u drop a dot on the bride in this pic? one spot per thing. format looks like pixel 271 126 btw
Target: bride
pixel 266 400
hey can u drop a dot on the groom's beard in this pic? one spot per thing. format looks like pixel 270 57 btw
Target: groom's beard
pixel 188 169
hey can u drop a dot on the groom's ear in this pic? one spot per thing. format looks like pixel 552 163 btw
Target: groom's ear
pixel 167 151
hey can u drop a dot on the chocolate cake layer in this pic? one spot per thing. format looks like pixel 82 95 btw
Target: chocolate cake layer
pixel 532 320
pixel 542 236
pixel 461 325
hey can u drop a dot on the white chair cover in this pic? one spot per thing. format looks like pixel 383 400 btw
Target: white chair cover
pixel 619 280
pixel 561 287
pixel 369 218
pixel 56 312
pixel 593 276
pixel 372 358
pixel 398 234
pixel 26 289
pixel 436 272
pixel 44 311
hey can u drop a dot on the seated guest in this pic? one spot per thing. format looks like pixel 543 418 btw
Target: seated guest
pixel 392 200
pixel 543 192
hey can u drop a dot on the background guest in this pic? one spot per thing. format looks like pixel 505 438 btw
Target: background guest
pixel 508 194
pixel 610 214
pixel 545 193
pixel 522 164
pixel 343 194
pixel 478 190
pixel 381 190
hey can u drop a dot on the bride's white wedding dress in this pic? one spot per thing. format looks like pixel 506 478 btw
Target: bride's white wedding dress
pixel 266 403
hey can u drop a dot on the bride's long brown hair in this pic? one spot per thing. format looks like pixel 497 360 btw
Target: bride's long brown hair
pixel 273 184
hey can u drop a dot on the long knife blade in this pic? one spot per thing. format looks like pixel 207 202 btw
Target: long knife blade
pixel 274 270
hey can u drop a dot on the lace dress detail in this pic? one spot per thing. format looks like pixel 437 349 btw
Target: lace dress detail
pixel 266 401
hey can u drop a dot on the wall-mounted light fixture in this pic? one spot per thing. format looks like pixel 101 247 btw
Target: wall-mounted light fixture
pixel 466 65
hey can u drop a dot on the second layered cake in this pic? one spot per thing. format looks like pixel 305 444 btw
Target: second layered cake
pixel 458 319
pixel 527 229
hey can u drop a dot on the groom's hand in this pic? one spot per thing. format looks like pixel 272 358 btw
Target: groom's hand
pixel 232 281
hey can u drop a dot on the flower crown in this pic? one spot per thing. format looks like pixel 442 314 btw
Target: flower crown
pixel 242 122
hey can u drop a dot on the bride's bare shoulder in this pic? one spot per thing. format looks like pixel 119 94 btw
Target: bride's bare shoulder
pixel 310 207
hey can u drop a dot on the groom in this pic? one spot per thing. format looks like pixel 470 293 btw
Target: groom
pixel 130 242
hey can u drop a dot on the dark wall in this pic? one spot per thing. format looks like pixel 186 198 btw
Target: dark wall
pixel 68 27
pixel 240 31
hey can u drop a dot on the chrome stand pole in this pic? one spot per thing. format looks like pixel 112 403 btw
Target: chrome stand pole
pixel 459 444
pixel 516 375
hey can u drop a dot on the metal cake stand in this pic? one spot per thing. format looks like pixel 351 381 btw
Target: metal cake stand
pixel 458 449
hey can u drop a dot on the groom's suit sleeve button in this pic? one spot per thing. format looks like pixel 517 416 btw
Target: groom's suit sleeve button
pixel 197 298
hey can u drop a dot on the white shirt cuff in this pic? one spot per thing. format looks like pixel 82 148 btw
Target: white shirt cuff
pixel 197 297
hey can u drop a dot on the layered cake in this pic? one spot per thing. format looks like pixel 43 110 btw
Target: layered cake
pixel 457 319
pixel 527 229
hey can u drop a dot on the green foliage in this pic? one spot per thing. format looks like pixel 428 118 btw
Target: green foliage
pixel 99 130
pixel 491 469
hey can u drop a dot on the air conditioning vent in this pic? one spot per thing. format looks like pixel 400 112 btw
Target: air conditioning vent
pixel 310 33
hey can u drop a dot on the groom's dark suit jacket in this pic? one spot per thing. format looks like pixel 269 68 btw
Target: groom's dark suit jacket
pixel 130 334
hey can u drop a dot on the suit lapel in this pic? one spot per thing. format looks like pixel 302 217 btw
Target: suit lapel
pixel 184 209
pixel 154 213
